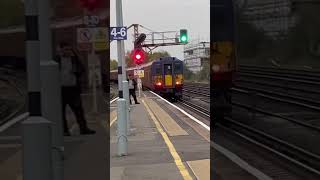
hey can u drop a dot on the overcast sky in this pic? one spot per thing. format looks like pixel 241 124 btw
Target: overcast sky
pixel 164 15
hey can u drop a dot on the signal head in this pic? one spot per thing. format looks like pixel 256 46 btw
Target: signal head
pixel 138 56
pixel 183 36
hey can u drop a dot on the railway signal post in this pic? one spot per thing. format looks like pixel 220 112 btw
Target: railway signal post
pixel 37 151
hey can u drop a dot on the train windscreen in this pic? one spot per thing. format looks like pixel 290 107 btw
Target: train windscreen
pixel 167 69
pixel 178 68
pixel 158 69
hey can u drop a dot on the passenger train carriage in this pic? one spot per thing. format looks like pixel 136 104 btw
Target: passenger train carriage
pixel 164 76
pixel 223 58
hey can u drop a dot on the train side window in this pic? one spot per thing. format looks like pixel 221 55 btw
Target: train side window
pixel 167 69
pixel 177 68
pixel 158 70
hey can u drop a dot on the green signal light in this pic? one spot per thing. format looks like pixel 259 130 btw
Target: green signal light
pixel 183 36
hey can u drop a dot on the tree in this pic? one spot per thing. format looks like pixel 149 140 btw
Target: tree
pixel 113 64
pixel 129 60
pixel 188 75
pixel 157 55
pixel 204 74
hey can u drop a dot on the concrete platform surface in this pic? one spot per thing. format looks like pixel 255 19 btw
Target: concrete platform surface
pixel 155 151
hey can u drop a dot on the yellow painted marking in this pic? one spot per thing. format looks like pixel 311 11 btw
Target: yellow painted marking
pixel 113 116
pixel 200 168
pixel 182 169
pixel 168 80
pixel 170 125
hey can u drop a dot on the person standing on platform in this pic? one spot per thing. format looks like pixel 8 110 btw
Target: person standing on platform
pixel 70 71
pixel 132 89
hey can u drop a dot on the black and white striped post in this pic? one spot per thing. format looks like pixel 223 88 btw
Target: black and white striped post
pixel 37 163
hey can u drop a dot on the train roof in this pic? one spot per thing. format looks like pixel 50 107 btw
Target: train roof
pixel 166 58
pixel 149 63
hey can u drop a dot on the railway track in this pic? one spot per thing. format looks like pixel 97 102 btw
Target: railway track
pixel 299 84
pixel 14 100
pixel 295 154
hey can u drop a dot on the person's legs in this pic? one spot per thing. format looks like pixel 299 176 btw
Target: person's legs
pixel 64 105
pixel 135 97
pixel 130 94
pixel 77 109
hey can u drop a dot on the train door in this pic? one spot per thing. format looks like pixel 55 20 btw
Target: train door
pixel 157 76
pixel 167 75
pixel 178 74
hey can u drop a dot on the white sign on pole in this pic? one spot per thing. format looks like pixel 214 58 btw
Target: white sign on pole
pixel 84 35
pixel 138 72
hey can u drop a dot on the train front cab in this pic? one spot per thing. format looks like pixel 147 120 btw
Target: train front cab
pixel 222 59
pixel 168 77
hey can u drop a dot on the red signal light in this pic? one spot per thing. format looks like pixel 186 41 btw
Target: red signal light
pixel 138 56
pixel 91 4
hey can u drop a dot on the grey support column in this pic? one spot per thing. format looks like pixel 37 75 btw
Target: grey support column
pixel 36 130
pixel 50 89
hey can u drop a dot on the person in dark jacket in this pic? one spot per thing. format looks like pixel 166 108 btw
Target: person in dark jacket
pixel 132 89
pixel 70 71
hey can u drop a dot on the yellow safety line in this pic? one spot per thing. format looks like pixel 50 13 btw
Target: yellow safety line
pixel 183 171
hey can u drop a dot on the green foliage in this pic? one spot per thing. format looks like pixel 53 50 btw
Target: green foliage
pixel 188 75
pixel 11 13
pixel 201 76
pixel 129 60
pixel 113 64
pixel 157 55
pixel 204 74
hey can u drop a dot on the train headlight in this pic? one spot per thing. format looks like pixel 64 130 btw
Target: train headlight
pixel 158 84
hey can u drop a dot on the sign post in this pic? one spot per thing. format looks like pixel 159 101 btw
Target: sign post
pixel 93 39
pixel 139 86
pixel 140 74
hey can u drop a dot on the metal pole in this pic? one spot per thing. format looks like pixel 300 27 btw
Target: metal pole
pixel 51 89
pixel 37 163
pixel 94 86
pixel 123 107
pixel 121 53
pixel 94 79
pixel 139 86
pixel 126 96
pixel 122 129
pixel 119 49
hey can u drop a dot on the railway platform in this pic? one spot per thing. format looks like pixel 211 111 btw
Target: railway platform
pixel 163 144
pixel 85 156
